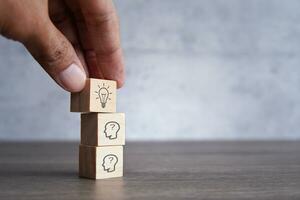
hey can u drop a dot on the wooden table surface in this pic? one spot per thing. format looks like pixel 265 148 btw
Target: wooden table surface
pixel 172 170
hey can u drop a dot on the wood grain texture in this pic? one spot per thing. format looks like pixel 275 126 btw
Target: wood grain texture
pixel 100 162
pixel 97 96
pixel 170 170
pixel 103 129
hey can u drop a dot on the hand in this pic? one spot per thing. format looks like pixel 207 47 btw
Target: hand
pixel 71 39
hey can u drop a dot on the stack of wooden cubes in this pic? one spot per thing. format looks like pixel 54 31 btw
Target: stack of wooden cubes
pixel 102 130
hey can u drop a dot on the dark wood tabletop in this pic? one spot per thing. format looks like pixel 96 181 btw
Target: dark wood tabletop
pixel 155 170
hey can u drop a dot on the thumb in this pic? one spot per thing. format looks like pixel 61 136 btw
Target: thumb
pixel 57 56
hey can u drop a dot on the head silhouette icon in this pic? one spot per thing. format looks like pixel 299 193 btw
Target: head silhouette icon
pixel 111 130
pixel 109 162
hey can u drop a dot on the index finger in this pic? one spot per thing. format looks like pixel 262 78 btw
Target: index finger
pixel 102 29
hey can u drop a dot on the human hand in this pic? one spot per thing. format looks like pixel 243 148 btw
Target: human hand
pixel 71 39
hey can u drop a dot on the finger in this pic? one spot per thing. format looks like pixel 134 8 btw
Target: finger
pixel 102 27
pixel 61 18
pixel 90 55
pixel 56 55
pixel 85 41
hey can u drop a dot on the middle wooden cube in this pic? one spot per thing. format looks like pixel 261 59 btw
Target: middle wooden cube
pixel 103 129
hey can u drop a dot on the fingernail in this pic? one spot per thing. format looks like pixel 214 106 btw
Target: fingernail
pixel 72 78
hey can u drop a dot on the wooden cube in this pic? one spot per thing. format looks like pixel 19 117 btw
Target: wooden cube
pixel 97 96
pixel 100 162
pixel 103 129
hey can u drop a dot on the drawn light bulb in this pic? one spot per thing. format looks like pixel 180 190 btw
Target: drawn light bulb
pixel 103 95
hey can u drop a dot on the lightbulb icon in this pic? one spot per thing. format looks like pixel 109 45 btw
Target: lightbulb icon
pixel 103 95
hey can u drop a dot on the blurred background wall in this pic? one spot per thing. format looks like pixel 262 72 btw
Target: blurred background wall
pixel 196 69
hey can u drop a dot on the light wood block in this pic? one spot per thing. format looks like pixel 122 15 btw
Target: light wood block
pixel 97 96
pixel 103 129
pixel 100 162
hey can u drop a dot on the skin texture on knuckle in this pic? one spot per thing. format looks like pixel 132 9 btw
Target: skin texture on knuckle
pixel 97 19
pixel 56 57
pixel 50 48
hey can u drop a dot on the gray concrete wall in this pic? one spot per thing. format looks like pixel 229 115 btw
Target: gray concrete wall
pixel 204 69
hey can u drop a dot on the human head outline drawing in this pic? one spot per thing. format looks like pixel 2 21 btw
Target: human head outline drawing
pixel 109 163
pixel 111 130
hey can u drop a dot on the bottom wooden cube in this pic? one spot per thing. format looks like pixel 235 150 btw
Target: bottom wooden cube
pixel 100 162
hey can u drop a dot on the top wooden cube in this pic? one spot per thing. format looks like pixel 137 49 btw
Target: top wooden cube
pixel 97 96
